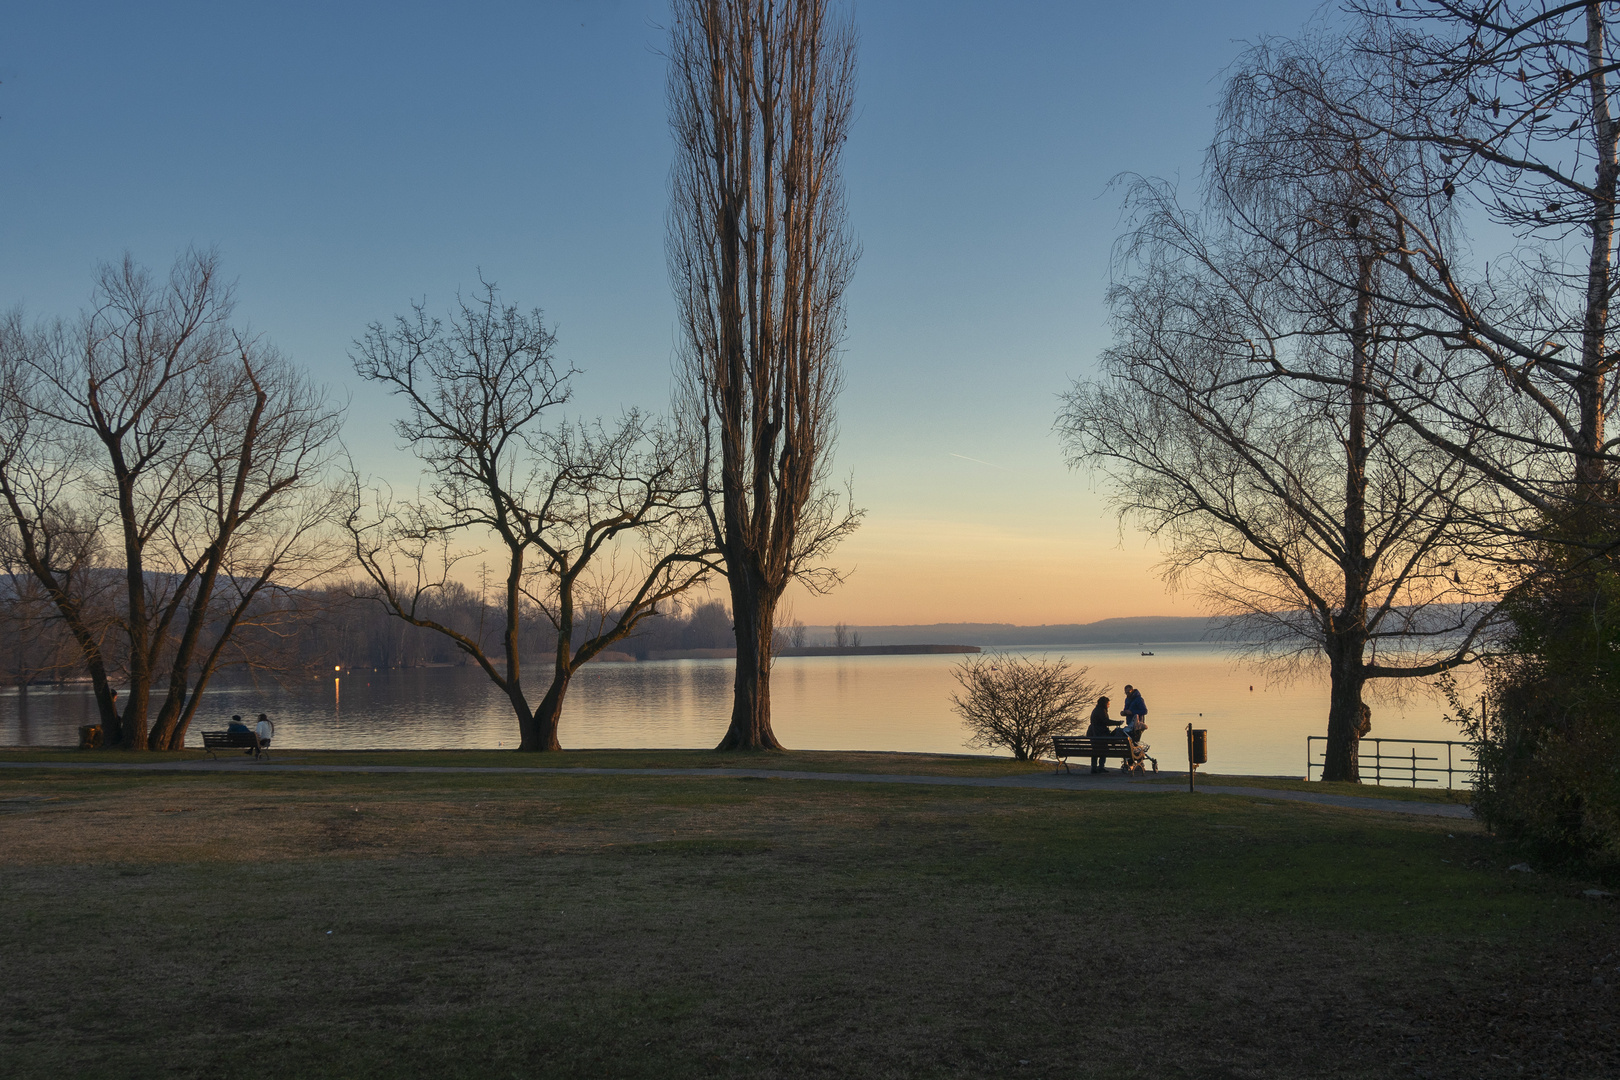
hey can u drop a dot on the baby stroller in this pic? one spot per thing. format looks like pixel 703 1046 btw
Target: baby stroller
pixel 1137 763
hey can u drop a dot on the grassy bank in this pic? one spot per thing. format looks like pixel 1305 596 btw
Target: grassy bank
pixel 480 925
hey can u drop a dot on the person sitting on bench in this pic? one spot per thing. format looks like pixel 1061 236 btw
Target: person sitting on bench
pixel 1099 730
pixel 264 731
pixel 237 727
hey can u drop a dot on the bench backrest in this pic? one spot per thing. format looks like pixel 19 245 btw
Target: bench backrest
pixel 216 739
pixel 1085 745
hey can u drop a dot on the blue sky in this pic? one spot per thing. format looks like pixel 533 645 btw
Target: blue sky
pixel 347 157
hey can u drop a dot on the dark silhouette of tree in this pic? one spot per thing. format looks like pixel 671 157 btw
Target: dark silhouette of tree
pixel 152 441
pixel 760 97
pixel 1425 109
pixel 1316 520
pixel 1018 704
pixel 599 525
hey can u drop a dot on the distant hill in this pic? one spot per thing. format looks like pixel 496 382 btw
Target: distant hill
pixel 1143 628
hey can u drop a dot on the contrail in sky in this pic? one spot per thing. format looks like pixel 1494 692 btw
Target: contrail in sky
pixel 975 460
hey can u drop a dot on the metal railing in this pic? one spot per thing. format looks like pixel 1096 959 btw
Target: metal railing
pixel 1408 766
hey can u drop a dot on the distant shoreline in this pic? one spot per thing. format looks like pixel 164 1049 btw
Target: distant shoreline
pixel 816 650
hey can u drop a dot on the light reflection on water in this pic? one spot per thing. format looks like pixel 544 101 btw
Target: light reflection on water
pixel 818 703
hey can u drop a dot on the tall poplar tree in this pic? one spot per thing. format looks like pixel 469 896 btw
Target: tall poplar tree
pixel 760 95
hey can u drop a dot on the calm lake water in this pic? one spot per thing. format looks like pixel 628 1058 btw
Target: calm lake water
pixel 818 703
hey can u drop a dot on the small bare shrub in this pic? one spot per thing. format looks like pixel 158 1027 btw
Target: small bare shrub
pixel 1019 704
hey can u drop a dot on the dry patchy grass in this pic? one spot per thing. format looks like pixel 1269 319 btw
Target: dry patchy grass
pixel 482 925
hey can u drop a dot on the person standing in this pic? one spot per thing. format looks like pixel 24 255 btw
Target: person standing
pixel 1098 729
pixel 1135 711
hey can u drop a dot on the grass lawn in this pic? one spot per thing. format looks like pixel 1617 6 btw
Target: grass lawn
pixel 787 760
pixel 1287 783
pixel 345 925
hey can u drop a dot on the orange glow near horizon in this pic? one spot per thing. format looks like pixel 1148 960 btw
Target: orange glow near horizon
pixel 905 572
pixel 1070 564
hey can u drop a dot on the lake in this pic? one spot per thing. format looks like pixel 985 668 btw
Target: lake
pixel 818 703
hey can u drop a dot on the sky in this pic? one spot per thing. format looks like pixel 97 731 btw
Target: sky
pixel 347 158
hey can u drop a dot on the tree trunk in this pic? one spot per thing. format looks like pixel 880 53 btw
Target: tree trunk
pixel 168 717
pixel 1347 628
pixel 753 611
pixel 541 733
pixel 133 723
pixel 1346 713
pixel 167 725
pixel 1592 481
pixel 532 735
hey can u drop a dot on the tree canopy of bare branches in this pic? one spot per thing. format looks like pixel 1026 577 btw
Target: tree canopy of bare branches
pixel 1301 509
pixel 598 524
pixel 1434 113
pixel 760 97
pixel 1018 703
pixel 162 473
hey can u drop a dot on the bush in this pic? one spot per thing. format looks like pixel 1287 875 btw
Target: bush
pixel 1018 704
pixel 1548 734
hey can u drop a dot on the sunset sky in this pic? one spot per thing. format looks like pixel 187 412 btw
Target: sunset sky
pixel 345 158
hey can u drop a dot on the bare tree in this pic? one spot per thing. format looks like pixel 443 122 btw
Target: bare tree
pixel 760 97
pixel 39 648
pixel 626 535
pixel 1018 703
pixel 1432 106
pixel 599 525
pixel 152 419
pixel 1315 519
pixel 51 535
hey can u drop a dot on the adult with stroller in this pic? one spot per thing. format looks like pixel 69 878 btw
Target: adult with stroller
pixel 1135 712
pixel 1099 728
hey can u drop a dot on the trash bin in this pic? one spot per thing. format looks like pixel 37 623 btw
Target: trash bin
pixel 1200 746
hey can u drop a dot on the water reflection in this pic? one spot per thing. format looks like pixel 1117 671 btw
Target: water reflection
pixel 818 703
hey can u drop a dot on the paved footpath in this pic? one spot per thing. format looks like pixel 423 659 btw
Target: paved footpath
pixel 1047 781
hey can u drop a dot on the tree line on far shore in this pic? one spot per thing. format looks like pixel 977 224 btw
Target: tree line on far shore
pixel 318 629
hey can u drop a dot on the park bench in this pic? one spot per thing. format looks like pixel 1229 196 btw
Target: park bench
pixel 232 740
pixel 1084 746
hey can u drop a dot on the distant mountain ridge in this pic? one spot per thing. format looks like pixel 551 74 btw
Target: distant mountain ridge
pixel 1140 628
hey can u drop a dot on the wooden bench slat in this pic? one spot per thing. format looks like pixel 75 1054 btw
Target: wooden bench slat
pixel 230 740
pixel 1088 746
